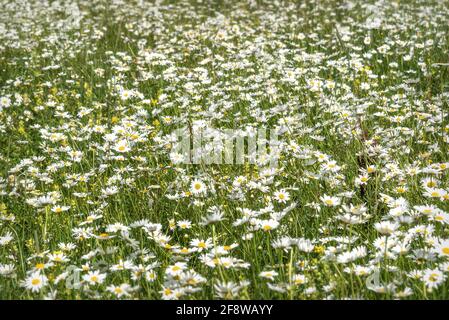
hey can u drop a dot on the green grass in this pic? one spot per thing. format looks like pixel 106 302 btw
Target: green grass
pixel 362 83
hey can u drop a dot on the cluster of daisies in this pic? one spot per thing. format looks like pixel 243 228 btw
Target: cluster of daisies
pixel 96 202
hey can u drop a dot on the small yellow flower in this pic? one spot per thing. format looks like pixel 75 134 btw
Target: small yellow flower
pixel 319 249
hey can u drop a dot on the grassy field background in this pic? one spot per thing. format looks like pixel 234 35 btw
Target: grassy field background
pixel 94 203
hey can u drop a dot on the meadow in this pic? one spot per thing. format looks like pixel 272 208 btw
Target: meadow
pixel 97 203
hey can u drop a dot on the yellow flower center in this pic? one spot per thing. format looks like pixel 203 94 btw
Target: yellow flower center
pixel 40 266
pixel 433 277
